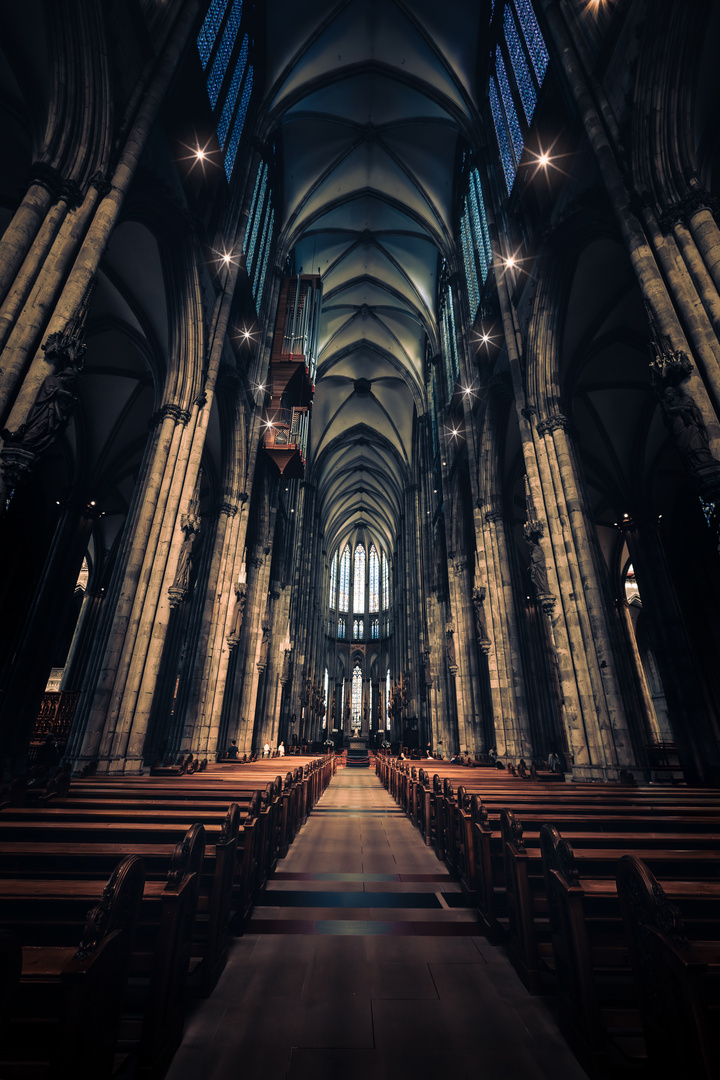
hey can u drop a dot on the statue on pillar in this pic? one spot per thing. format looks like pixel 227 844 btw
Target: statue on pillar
pixel 190 526
pixel 686 425
pixel 481 631
pixel 238 613
pixel 53 408
pixel 532 531
pixel 264 647
pixel 450 645
pixel 427 669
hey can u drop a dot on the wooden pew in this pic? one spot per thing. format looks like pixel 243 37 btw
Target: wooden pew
pixel 61 1014
pixel 591 963
pixel 677 980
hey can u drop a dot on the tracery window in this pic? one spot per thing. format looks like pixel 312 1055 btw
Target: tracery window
pixel 449 340
pixel 333 581
pixel 358 629
pixel 341 628
pixel 359 579
pixel 385 583
pixel 374 589
pixel 356 706
pixel 387 700
pixel 224 55
pixel 344 600
pixel 375 629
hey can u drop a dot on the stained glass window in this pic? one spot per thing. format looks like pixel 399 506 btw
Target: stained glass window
pixel 266 256
pixel 256 210
pixel 333 581
pixel 469 261
pixel 209 30
pixel 341 628
pixel 511 117
pixel 375 629
pixel 358 630
pixel 239 124
pixel 344 579
pixel 506 157
pixel 232 95
pixel 521 69
pixel 359 579
pixel 534 40
pixel 385 583
pixel 224 52
pixel 374 590
pixel 326 686
pixel 479 223
pixel 387 700
pixel 356 696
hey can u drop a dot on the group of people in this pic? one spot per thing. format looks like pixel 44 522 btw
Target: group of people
pixel 232 750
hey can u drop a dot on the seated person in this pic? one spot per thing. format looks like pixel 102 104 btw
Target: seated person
pixel 232 750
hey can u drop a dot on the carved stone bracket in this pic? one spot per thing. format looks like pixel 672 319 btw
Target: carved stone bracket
pixel 176 595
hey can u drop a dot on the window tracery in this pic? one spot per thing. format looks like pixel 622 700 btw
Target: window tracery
pixel 374 583
pixel 359 579
pixel 344 599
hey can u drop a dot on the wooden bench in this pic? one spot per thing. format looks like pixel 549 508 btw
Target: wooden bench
pixel 61 1009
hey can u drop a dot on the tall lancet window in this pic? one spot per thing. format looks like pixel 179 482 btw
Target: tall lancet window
pixel 356 707
pixel 387 700
pixel 359 580
pixel 374 590
pixel 326 698
pixel 333 581
pixel 344 600
pixel 385 583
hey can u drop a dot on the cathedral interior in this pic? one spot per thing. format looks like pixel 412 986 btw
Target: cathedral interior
pixel 360 385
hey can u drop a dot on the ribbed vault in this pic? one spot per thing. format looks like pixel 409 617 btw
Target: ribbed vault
pixel 370 98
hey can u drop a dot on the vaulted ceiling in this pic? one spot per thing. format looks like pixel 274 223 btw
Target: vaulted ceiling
pixel 370 97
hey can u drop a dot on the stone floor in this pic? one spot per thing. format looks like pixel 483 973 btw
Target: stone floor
pixel 361 963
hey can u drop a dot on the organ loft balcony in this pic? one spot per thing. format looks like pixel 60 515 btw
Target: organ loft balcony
pixel 293 365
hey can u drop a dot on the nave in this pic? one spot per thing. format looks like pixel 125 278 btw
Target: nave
pixel 361 962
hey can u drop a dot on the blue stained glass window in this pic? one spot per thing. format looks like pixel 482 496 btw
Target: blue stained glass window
pixel 253 201
pixel 479 205
pixel 537 48
pixel 209 30
pixel 239 124
pixel 374 580
pixel 232 95
pixel 266 256
pixel 341 627
pixel 222 57
pixel 513 123
pixel 508 162
pixel 344 579
pixel 359 580
pixel 453 338
pixel 375 630
pixel 469 261
pixel 257 218
pixel 358 629
pixel 523 76
pixel 433 420
pixel 385 583
pixel 334 581
pixel 259 271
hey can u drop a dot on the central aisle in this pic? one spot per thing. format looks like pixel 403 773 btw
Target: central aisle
pixel 361 962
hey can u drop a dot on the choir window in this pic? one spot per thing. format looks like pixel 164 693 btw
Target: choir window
pixel 344 579
pixel 333 582
pixel 356 696
pixel 358 630
pixel 374 590
pixel 359 580
pixel 385 583
pixel 375 629
pixel 341 628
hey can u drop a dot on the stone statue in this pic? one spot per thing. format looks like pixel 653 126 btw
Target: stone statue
pixel 53 408
pixel 287 653
pixel 686 425
pixel 190 526
pixel 450 642
pixel 427 669
pixel 264 644
pixel 538 570
pixel 238 610
pixel 478 597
